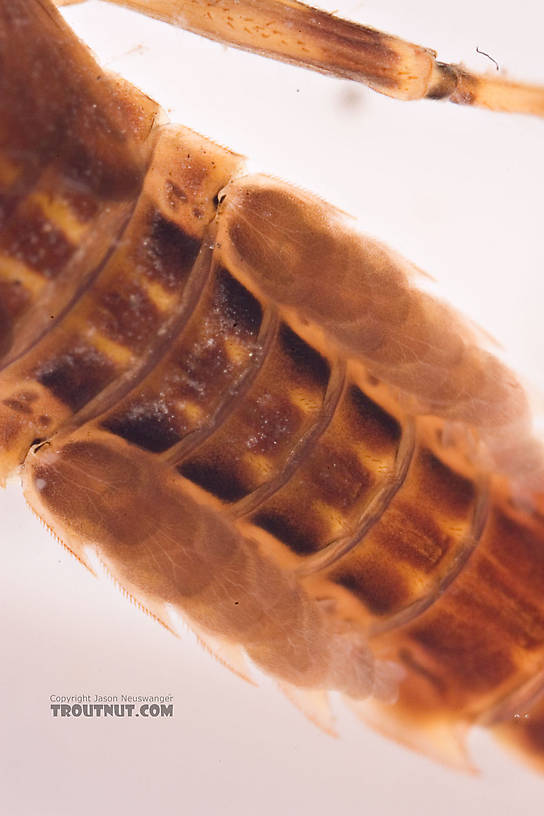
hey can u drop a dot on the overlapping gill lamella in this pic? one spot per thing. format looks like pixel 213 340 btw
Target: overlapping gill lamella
pixel 252 416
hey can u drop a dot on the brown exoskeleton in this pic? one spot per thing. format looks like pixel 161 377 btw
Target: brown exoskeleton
pixel 39 477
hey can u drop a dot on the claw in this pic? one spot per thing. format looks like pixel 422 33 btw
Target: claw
pixel 314 704
pixel 229 654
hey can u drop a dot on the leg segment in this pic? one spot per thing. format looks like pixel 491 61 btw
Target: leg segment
pixel 293 32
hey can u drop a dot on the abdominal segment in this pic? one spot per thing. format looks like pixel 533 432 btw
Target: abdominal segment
pixel 255 420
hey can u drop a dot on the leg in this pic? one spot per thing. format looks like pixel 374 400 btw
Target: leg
pixel 292 32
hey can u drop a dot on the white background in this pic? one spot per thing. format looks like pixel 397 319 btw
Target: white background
pixel 458 191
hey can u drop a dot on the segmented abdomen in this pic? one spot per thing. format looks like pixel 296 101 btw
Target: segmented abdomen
pixel 256 419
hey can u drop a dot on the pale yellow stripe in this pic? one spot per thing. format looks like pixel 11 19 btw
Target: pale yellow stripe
pixel 9 172
pixel 335 518
pixel 376 465
pixel 237 352
pixel 163 300
pixel 61 215
pixel 12 270
pixel 115 352
pixel 191 410
pixel 306 400
pixel 259 463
